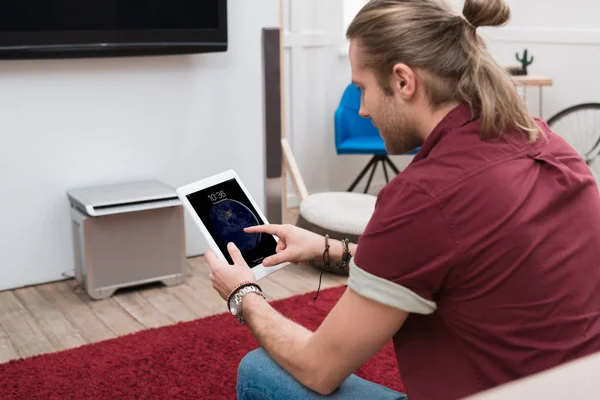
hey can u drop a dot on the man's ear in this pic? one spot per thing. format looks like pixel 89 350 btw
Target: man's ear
pixel 404 80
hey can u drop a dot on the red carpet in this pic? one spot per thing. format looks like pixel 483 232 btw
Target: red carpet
pixel 192 360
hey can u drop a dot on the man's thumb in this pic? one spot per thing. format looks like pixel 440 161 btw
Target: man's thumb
pixel 235 254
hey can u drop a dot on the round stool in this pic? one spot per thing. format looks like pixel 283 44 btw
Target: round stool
pixel 341 215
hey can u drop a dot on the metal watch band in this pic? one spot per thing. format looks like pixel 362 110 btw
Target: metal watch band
pixel 235 304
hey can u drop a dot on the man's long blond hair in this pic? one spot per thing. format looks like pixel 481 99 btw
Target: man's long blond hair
pixel 429 35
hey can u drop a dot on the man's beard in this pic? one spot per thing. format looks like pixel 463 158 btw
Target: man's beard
pixel 398 130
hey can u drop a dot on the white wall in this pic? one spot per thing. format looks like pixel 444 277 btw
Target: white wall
pixel 70 123
pixel 565 41
pixel 563 37
pixel 554 14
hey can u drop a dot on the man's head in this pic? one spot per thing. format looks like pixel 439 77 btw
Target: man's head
pixel 416 59
pixel 390 104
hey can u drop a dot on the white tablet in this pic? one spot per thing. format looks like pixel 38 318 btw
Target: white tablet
pixel 222 207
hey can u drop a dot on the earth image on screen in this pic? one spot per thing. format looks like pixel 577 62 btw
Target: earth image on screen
pixel 229 218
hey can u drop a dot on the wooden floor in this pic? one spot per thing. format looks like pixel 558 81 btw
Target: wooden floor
pixel 59 316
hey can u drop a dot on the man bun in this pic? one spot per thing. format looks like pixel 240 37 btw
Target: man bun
pixel 486 12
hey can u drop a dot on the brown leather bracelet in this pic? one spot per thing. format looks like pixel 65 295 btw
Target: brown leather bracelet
pixel 240 286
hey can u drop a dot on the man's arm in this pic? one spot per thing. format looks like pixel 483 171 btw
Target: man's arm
pixel 354 330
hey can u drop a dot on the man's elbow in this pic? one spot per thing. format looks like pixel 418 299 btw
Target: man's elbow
pixel 321 383
pixel 323 389
pixel 326 390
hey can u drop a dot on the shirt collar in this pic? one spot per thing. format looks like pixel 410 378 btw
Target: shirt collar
pixel 456 118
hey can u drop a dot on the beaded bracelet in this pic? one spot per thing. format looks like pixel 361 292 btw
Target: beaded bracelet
pixel 326 260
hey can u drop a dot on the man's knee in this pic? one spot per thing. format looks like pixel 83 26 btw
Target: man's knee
pixel 253 375
pixel 254 363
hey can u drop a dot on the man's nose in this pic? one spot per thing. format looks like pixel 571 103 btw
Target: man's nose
pixel 363 111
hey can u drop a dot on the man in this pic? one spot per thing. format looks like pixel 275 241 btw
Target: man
pixel 481 258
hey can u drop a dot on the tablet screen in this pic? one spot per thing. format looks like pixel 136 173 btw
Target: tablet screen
pixel 225 210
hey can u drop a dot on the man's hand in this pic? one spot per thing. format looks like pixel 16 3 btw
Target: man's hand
pixel 226 277
pixel 297 245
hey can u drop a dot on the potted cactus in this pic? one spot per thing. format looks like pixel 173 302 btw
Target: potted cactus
pixel 525 62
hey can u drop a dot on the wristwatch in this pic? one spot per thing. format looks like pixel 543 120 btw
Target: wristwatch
pixel 235 303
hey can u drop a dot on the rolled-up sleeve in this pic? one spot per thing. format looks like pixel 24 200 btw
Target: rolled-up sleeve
pixel 406 252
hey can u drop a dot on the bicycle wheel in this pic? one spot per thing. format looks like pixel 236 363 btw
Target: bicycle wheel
pixel 579 125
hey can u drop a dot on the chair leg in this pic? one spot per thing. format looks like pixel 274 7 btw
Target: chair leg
pixel 372 173
pixel 385 173
pixel 363 173
pixel 392 166
pixel 372 166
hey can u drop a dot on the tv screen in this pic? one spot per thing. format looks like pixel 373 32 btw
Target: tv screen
pixel 65 28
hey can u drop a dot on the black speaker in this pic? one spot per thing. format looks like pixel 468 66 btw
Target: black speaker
pixel 273 124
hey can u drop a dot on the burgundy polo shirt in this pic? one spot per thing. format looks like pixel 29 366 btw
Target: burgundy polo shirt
pixel 493 247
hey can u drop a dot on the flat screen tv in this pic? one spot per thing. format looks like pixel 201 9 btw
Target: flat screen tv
pixel 109 28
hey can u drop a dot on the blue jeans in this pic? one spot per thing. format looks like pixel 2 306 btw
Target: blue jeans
pixel 260 378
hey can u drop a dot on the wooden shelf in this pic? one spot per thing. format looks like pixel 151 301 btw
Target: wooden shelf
pixel 532 80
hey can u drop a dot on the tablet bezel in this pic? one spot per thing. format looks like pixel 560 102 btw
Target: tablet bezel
pixel 260 271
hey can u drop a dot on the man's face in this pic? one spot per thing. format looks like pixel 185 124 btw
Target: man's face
pixel 388 111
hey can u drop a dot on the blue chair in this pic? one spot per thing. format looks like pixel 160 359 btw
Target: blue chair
pixel 357 135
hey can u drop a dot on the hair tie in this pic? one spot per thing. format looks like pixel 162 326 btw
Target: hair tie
pixel 467 21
